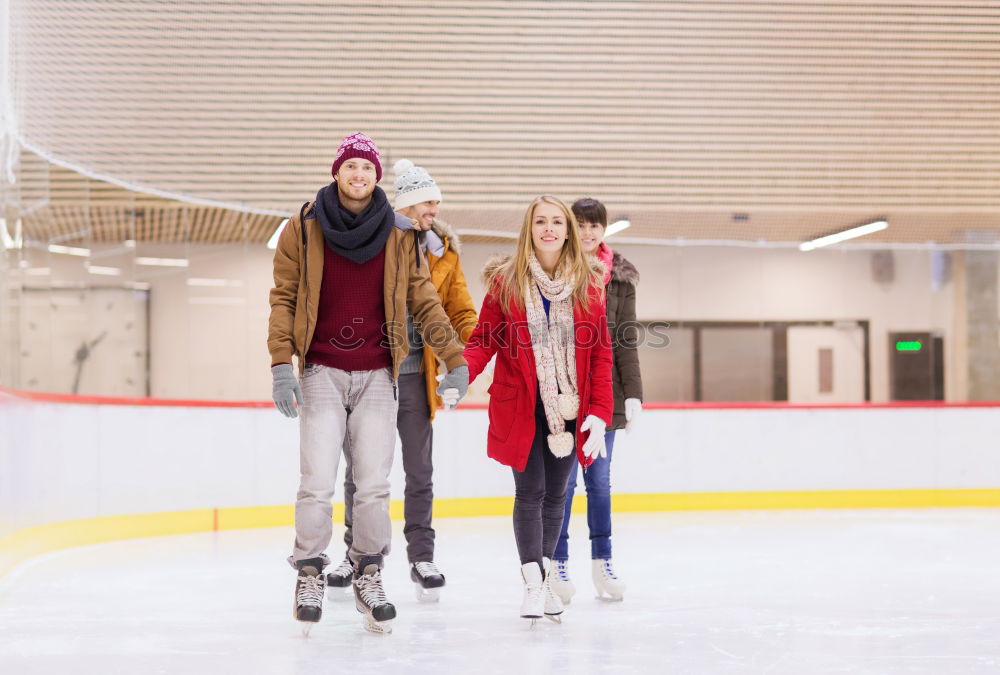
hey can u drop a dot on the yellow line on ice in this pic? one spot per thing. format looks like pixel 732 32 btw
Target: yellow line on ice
pixel 43 538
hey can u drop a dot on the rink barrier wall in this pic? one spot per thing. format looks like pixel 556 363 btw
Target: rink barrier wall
pixel 84 470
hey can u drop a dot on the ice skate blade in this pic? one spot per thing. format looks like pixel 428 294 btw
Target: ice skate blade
pixel 554 618
pixel 427 594
pixel 306 627
pixel 378 627
pixel 610 598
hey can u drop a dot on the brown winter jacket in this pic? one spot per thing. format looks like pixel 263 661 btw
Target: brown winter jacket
pixel 294 304
pixel 449 280
pixel 625 375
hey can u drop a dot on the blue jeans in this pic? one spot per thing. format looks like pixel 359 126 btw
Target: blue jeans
pixel 597 479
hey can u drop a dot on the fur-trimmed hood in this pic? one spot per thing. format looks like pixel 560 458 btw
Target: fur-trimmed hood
pixel 447 233
pixel 623 270
pixel 499 261
pixel 493 267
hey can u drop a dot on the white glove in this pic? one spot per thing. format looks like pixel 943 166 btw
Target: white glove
pixel 633 409
pixel 449 396
pixel 595 442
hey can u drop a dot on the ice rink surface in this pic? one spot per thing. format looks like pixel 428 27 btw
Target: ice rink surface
pixel 730 592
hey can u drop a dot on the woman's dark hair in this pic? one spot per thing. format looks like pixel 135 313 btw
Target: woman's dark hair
pixel 590 211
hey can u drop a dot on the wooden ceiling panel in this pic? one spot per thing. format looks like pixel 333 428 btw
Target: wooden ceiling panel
pixel 792 115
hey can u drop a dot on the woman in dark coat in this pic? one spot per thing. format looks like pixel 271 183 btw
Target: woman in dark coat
pixel 621 278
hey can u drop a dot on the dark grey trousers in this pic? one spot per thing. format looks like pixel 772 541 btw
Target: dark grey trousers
pixel 413 421
pixel 540 494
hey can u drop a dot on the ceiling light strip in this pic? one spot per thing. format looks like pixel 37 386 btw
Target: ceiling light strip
pixel 838 237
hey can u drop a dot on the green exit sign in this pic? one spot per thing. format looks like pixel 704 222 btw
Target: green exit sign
pixel 908 346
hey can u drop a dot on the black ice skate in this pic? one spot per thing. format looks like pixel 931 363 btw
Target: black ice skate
pixel 369 598
pixel 308 602
pixel 428 580
pixel 338 581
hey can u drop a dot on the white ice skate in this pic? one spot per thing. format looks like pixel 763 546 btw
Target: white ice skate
pixel 369 598
pixel 338 581
pixel 607 583
pixel 428 581
pixel 560 582
pixel 533 604
pixel 307 606
pixel 553 605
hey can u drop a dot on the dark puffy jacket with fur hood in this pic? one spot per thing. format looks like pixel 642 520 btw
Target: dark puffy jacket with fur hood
pixel 625 375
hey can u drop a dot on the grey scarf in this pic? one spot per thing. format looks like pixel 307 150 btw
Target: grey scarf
pixel 358 237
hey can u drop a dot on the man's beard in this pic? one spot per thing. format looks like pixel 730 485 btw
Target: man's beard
pixel 344 195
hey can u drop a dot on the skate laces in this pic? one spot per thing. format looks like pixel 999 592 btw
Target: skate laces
pixel 562 571
pixel 370 588
pixel 535 592
pixel 551 599
pixel 609 571
pixel 344 569
pixel 427 569
pixel 310 591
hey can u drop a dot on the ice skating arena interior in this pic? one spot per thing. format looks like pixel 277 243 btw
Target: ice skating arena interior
pixel 809 191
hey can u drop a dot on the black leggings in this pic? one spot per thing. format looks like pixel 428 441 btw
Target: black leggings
pixel 540 494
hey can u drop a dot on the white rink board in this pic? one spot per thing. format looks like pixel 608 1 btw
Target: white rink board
pixel 68 461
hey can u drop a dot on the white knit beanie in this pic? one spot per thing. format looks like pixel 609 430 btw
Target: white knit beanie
pixel 413 185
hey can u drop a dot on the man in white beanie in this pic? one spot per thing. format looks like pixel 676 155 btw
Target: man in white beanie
pixel 418 198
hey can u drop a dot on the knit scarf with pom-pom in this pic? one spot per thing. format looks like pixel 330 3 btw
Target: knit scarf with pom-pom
pixel 554 346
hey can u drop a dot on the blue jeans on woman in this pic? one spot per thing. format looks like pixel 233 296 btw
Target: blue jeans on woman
pixel 597 479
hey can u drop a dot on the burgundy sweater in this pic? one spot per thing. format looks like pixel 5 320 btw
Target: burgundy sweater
pixel 351 318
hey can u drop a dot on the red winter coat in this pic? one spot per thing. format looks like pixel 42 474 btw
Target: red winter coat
pixel 515 380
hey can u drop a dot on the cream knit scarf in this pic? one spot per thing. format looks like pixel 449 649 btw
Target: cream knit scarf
pixel 554 346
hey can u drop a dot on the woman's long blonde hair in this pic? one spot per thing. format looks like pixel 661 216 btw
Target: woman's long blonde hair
pixel 573 263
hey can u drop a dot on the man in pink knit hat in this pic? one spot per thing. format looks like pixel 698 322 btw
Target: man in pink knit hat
pixel 344 279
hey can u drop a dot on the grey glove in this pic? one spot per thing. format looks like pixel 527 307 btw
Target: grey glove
pixel 285 389
pixel 458 381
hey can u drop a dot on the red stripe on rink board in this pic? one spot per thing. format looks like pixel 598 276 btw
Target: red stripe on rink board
pixel 765 405
pixel 111 400
pixel 778 405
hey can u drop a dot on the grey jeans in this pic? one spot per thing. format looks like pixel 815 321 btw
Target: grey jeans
pixel 414 425
pixel 354 411
pixel 540 494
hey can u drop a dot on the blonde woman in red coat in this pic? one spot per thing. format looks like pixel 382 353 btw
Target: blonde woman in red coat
pixel 544 320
